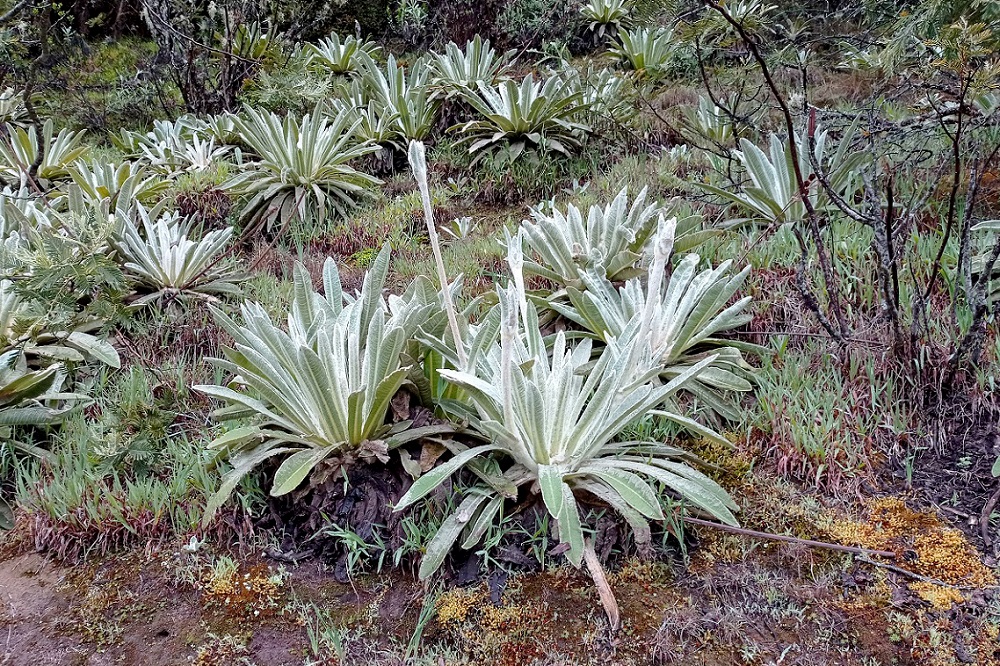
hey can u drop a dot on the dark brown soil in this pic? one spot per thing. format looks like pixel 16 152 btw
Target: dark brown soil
pixel 957 480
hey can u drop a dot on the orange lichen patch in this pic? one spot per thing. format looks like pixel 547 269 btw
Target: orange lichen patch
pixel 938 596
pixel 940 552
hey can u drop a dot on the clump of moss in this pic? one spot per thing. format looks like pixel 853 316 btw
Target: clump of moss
pixel 731 465
pixel 511 632
pixel 453 607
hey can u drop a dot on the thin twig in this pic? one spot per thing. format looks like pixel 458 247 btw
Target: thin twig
pixel 12 13
pixel 984 518
pixel 926 579
pixel 742 531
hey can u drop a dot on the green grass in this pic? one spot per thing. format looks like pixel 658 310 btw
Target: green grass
pixel 79 507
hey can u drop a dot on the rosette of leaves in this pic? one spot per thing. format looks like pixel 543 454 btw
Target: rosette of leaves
pixel 319 388
pixel 20 147
pixel 686 316
pixel 166 257
pixel 649 52
pixel 773 195
pixel 406 95
pixel 339 56
pixel 551 414
pixel 530 116
pixel 610 241
pixel 303 168
pixel 606 17
pixel 460 70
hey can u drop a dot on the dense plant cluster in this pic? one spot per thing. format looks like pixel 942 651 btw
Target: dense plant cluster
pixel 665 241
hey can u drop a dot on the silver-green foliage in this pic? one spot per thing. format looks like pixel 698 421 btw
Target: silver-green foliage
pixel 406 95
pixel 774 196
pixel 337 56
pixel 552 415
pixel 321 386
pixel 606 16
pixel 12 108
pixel 686 316
pixel 647 51
pixel 128 182
pixel 527 116
pixel 605 96
pixel 458 70
pixel 174 147
pixel 30 397
pixel 19 147
pixel 609 242
pixel 164 256
pixel 712 123
pixel 303 168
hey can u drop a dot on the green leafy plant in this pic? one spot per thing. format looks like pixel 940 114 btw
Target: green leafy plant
pixel 647 51
pixel 28 398
pixel 606 17
pixel 692 308
pixel 553 419
pixel 128 182
pixel 459 71
pixel 774 194
pixel 12 109
pixel 610 242
pixel 38 335
pixel 169 261
pixel 19 147
pixel 526 116
pixel 406 95
pixel 712 123
pixel 338 56
pixel 303 169
pixel 322 388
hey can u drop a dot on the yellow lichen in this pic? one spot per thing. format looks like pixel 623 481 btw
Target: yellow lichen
pixel 938 596
pixel 454 605
pixel 922 543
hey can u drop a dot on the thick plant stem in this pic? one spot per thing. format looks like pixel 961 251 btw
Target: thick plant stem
pixel 603 589
pixel 419 165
